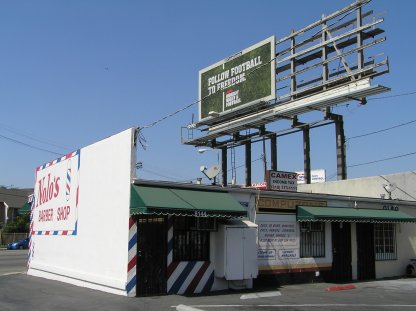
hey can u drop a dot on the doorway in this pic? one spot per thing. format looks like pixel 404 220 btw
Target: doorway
pixel 151 255
pixel 341 252
pixel 366 269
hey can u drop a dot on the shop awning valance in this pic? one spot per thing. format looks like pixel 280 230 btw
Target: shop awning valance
pixel 185 202
pixel 332 214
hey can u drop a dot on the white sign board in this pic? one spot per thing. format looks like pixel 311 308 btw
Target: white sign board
pixel 279 245
pixel 278 239
pixel 278 180
pixel 281 233
pixel 56 197
pixel 316 176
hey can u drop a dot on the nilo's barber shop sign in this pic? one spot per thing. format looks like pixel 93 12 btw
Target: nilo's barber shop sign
pixel 54 209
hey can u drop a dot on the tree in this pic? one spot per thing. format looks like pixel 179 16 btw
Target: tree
pixel 19 225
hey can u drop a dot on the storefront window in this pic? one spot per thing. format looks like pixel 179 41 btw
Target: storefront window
pixel 189 244
pixel 312 239
pixel 385 241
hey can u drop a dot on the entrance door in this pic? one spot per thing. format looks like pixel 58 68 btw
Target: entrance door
pixel 365 252
pixel 341 252
pixel 151 255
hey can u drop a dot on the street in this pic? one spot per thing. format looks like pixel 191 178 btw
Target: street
pixel 12 261
pixel 21 292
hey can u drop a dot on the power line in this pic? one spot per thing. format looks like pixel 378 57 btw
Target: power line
pixel 11 130
pixel 28 145
pixel 390 96
pixel 382 130
pixel 160 175
pixel 386 159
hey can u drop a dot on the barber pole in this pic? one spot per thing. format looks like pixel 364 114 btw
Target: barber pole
pixel 132 259
pixel 31 246
pixel 68 181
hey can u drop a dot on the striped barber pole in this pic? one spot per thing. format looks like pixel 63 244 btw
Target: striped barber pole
pixel 68 181
pixel 187 277
pixel 132 259
pixel 31 247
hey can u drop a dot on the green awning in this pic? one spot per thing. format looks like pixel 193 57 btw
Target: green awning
pixel 25 209
pixel 332 214
pixel 186 202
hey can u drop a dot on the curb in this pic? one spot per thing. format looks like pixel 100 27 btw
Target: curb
pixel 338 288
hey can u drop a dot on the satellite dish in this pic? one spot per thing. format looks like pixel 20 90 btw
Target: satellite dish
pixel 212 172
pixel 390 187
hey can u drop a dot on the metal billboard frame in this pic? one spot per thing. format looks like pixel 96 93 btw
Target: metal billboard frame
pixel 321 65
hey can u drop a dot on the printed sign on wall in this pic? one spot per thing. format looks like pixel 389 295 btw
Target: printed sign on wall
pixel 56 197
pixel 278 240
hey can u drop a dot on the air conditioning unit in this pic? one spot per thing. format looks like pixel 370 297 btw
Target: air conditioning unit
pixel 206 223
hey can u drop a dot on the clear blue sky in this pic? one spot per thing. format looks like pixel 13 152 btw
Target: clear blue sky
pixel 75 72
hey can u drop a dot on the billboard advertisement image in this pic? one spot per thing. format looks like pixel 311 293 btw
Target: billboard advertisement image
pixel 244 79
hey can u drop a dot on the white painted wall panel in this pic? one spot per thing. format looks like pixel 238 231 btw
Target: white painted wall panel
pixel 98 253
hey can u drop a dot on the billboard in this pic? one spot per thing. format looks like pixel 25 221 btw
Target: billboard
pixel 241 80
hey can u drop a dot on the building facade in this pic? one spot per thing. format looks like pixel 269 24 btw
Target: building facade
pixel 93 224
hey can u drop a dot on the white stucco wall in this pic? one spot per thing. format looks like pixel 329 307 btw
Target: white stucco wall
pixel 96 256
pixel 368 187
pixel 406 249
pixel 373 187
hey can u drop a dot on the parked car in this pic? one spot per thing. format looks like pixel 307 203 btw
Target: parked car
pixel 21 244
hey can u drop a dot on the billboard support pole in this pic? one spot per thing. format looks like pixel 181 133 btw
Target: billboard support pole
pixel 248 163
pixel 341 158
pixel 273 152
pixel 224 166
pixel 340 143
pixel 306 154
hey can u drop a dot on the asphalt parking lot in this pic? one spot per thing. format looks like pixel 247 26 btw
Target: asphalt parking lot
pixel 21 292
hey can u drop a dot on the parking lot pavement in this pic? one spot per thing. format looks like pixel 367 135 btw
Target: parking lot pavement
pixel 22 292
pixel 19 291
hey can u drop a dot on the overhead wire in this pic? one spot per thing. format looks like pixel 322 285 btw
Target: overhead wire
pixel 382 160
pixel 30 146
pixel 50 143
pixel 375 161
pixel 382 130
